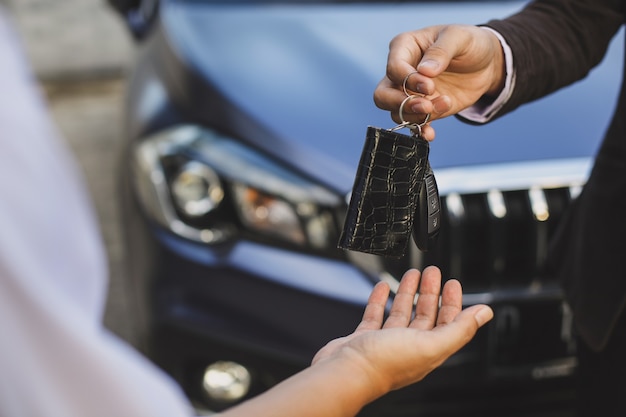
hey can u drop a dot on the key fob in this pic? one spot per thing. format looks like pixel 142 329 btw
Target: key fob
pixel 428 213
pixel 384 196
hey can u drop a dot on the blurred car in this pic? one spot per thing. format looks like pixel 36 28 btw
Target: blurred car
pixel 245 123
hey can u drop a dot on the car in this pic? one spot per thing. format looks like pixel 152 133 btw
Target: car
pixel 245 122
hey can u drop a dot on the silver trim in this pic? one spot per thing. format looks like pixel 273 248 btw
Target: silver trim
pixel 546 174
pixel 553 173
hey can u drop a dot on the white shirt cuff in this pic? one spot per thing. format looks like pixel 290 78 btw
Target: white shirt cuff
pixel 482 112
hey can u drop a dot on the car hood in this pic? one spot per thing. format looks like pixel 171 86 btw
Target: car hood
pixel 305 74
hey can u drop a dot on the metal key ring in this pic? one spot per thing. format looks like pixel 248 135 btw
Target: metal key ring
pixel 411 125
pixel 405 81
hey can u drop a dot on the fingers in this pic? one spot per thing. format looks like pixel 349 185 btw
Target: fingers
pixel 450 338
pixel 387 96
pixel 427 62
pixel 403 57
pixel 375 310
pixel 451 302
pixel 437 57
pixel 428 132
pixel 441 105
pixel 481 313
pixel 402 308
pixel 463 328
pixel 406 52
pixel 435 307
pixel 427 307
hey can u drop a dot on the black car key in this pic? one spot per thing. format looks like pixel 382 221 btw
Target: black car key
pixel 428 213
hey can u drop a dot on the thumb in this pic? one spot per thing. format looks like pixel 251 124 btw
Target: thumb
pixel 437 57
pixel 481 313
pixel 464 327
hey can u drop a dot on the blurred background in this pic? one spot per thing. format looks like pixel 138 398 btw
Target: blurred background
pixel 81 52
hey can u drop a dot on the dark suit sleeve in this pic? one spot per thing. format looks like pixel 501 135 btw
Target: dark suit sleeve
pixel 556 42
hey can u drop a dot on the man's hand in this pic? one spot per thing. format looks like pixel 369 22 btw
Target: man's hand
pixel 452 66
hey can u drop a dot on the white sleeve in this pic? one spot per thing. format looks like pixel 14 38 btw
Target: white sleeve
pixel 56 358
pixel 482 112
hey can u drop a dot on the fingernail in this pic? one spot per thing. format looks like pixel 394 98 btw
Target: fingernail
pixel 483 315
pixel 428 64
pixel 418 108
pixel 442 104
pixel 439 107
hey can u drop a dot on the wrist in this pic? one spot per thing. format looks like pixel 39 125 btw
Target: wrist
pixel 345 381
pixel 500 90
pixel 498 65
pixel 373 384
pixel 353 375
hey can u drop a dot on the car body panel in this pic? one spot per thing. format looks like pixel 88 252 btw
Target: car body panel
pixel 332 56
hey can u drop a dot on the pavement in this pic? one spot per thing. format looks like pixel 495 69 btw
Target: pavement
pixel 81 52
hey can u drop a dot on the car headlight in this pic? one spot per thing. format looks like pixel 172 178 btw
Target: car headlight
pixel 196 189
pixel 208 187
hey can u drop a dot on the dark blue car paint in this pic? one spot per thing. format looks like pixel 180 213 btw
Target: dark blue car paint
pixel 306 75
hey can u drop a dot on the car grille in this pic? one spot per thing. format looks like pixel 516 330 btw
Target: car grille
pixel 497 222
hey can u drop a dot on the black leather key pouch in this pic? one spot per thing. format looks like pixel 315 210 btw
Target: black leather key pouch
pixel 385 193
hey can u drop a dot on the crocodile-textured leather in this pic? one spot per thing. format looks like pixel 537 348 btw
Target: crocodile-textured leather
pixel 385 193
